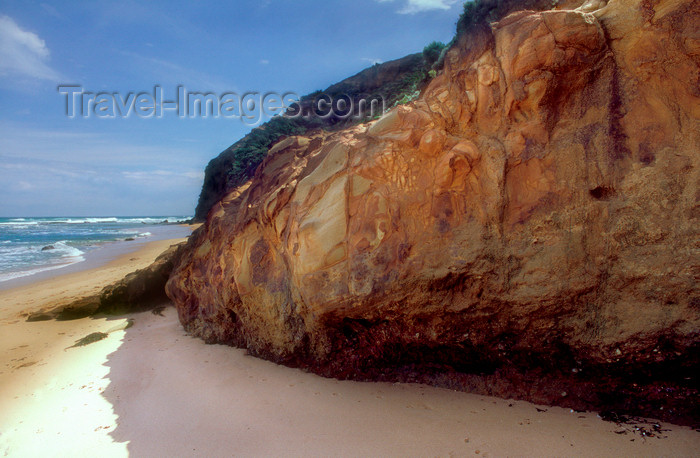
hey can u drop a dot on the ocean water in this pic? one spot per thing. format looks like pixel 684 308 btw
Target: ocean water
pixel 29 246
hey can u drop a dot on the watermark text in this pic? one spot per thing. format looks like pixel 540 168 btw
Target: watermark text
pixel 250 107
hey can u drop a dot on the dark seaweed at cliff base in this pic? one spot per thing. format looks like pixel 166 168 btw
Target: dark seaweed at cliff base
pixel 526 227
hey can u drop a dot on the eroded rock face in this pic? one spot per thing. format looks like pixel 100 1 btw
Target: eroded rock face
pixel 385 81
pixel 141 290
pixel 534 212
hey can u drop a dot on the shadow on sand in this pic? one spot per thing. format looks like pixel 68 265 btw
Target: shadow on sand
pixel 176 396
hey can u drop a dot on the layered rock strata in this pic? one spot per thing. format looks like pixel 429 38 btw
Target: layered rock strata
pixel 528 228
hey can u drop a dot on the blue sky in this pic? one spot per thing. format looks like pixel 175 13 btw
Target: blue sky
pixel 51 164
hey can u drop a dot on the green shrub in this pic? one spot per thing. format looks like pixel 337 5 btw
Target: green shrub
pixel 250 151
pixel 431 53
pixel 480 12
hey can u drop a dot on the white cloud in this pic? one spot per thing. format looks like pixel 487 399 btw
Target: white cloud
pixel 99 150
pixel 23 53
pixel 24 186
pixel 168 72
pixel 40 187
pixel 419 6
pixel 371 60
pixel 51 11
pixel 163 174
pixel 264 61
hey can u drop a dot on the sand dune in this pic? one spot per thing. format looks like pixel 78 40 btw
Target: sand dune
pixel 151 390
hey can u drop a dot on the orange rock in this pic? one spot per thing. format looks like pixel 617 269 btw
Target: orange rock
pixel 537 207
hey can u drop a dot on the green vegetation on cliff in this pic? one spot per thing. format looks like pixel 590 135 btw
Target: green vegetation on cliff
pixel 480 12
pixel 391 83
pixel 431 53
pixel 394 83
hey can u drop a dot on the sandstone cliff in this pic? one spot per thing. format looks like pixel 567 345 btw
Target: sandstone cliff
pixel 529 227
pixel 236 164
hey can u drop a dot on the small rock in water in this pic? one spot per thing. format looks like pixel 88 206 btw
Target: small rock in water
pixel 129 239
pixel 48 247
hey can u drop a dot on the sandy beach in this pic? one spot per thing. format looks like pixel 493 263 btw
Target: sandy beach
pixel 151 390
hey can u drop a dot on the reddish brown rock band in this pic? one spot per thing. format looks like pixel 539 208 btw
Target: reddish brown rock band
pixel 527 228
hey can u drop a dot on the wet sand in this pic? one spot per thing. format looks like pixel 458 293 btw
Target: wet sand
pixel 151 390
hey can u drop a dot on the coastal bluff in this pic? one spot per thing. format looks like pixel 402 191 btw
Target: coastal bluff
pixel 527 228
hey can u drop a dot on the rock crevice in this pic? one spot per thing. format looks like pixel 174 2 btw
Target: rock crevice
pixel 525 228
